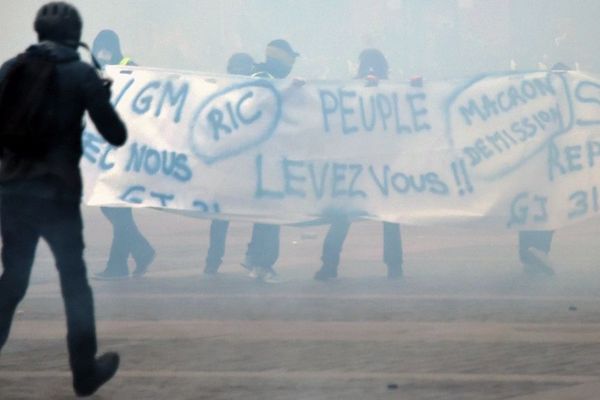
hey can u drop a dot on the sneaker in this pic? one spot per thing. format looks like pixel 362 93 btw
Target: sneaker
pixel 250 269
pixel 143 263
pixel 248 264
pixel 104 369
pixel 394 273
pixel 272 277
pixel 326 273
pixel 109 275
pixel 211 270
pixel 266 275
pixel 541 264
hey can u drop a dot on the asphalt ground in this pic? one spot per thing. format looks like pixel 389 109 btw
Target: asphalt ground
pixel 464 323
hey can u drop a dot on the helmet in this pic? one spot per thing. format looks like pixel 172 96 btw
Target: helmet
pixel 372 62
pixel 58 21
pixel 240 64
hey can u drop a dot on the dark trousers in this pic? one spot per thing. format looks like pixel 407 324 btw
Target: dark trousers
pixel 334 241
pixel 263 249
pixel 127 239
pixel 392 245
pixel 216 248
pixel 24 220
pixel 541 240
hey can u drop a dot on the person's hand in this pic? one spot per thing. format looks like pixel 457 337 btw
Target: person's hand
pixel 298 82
pixel 107 82
pixel 416 81
pixel 107 85
pixel 372 80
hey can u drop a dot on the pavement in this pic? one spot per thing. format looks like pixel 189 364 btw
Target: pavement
pixel 465 322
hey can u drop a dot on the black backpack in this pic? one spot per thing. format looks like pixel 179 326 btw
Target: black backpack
pixel 28 105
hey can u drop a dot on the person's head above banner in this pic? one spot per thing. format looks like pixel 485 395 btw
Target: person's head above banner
pixel 280 58
pixel 107 47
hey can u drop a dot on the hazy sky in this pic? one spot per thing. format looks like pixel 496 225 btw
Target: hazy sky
pixel 195 34
pixel 434 38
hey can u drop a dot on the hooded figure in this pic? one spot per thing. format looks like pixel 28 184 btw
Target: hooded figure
pixel 372 62
pixel 373 67
pixel 107 48
pixel 127 237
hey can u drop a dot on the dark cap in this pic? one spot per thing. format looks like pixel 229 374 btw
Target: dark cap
pixel 372 62
pixel 560 66
pixel 240 64
pixel 283 45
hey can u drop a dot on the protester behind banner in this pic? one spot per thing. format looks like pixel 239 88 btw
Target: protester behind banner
pixel 263 248
pixel 372 68
pixel 127 238
pixel 238 64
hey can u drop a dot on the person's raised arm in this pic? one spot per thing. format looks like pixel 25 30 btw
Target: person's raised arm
pixel 102 113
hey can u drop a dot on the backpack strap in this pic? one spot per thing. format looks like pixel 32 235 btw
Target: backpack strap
pixel 94 61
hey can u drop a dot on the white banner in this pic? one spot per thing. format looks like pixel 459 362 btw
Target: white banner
pixel 521 150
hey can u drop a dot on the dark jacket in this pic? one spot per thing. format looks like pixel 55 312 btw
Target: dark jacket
pixel 55 174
